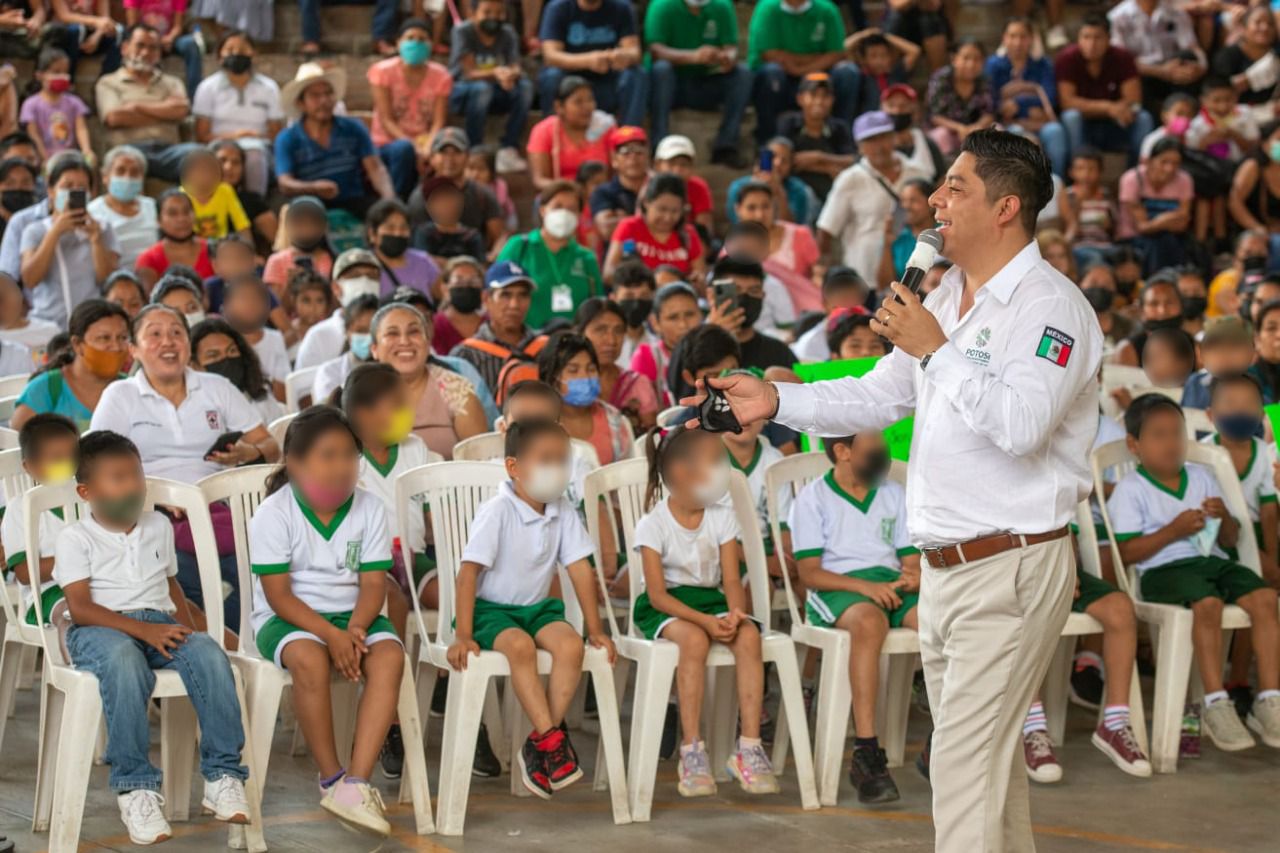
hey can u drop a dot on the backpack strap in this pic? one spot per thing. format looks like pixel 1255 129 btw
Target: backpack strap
pixel 535 346
pixel 492 348
pixel 55 388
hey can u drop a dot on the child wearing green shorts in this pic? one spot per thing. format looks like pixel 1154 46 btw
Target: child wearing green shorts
pixel 1171 524
pixel 504 603
pixel 849 531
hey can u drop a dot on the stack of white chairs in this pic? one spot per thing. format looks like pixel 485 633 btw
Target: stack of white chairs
pixel 492 445
pixel 1171 626
pixel 623 484
pixel 10 389
pixel 297 387
pixel 454 491
pixel 243 489
pixel 21 642
pixel 72 706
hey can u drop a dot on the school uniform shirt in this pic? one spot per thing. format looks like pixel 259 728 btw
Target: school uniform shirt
pixel 324 561
pixel 126 571
pixel 380 481
pixel 322 342
pixel 1140 506
pixel 689 557
pixel 766 454
pixel 269 409
pixel 13 536
pixel 1257 482
pixel 847 533
pixel 273 354
pixel 174 440
pixel 518 548
pixel 1109 430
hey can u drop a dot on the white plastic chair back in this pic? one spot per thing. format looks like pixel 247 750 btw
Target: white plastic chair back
pixel 296 386
pixel 14 482
pixel 279 427
pixel 1087 538
pixel 628 439
pixel 622 485
pixel 8 405
pixel 1197 423
pixel 8 438
pixel 480 448
pixel 12 385
pixel 792 473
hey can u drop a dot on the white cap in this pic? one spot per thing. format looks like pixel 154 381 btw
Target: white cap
pixel 675 146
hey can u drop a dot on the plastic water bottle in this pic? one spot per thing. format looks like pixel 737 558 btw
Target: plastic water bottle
pixel 1189 743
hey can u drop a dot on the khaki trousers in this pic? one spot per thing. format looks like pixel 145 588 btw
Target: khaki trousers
pixel 987 633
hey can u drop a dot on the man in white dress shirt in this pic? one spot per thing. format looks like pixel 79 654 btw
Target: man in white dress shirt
pixel 1000 369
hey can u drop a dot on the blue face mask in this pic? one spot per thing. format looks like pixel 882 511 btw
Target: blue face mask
pixel 361 342
pixel 582 392
pixel 1238 427
pixel 414 52
pixel 124 189
pixel 60 199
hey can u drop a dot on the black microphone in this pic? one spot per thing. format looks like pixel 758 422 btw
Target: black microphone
pixel 928 245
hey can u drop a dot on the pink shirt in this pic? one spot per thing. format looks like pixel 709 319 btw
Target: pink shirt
pixel 157 13
pixel 411 107
pixel 793 264
pixel 548 137
pixel 1134 187
pixel 275 273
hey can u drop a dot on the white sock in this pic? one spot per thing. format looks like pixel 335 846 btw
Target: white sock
pixel 1265 694
pixel 744 742
pixel 1215 696
pixel 1035 721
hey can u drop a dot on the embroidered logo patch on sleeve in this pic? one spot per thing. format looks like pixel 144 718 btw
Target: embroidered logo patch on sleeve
pixel 1055 346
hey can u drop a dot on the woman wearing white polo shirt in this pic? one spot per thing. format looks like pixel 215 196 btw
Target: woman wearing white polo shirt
pixel 187 424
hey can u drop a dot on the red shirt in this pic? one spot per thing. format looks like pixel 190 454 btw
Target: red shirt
pixel 154 258
pixel 445 335
pixel 674 250
pixel 699 196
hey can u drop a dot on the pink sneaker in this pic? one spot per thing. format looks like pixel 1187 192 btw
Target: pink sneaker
pixel 357 804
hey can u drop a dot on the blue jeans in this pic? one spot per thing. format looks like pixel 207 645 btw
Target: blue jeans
pixel 624 93
pixel 189 580
pixel 401 160
pixel 1053 139
pixel 108 49
pixel 1273 253
pixel 125 670
pixel 1161 249
pixel 478 99
pixel 186 47
pixel 1105 135
pixel 384 17
pixel 727 94
pixel 775 93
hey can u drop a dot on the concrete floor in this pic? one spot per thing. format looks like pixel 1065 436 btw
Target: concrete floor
pixel 1219 803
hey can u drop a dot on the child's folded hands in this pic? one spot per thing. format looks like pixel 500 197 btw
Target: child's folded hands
pixel 885 594
pixel 345 650
pixel 163 636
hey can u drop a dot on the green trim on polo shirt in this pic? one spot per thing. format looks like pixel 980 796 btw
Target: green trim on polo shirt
pixel 269 568
pixel 1253 454
pixel 376 566
pixel 750 466
pixel 1182 482
pixel 809 552
pixel 325 530
pixel 907 551
pixel 393 453
pixel 1125 537
pixel 862 505
pixel 15 558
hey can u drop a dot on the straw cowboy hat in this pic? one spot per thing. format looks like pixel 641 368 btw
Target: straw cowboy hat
pixel 308 73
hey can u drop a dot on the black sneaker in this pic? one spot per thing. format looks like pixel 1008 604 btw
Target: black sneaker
pixel 1242 695
pixel 439 695
pixel 922 760
pixel 6 846
pixel 920 693
pixel 670 725
pixel 589 709
pixel 1087 687
pixel 532 764
pixel 731 157
pixel 560 759
pixel 485 764
pixel 869 774
pixel 392 755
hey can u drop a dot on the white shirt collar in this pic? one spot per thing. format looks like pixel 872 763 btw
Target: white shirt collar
pixel 526 513
pixel 1003 283
pixel 145 388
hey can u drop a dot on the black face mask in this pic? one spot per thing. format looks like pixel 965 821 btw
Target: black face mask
pixel 634 311
pixel 237 63
pixel 1166 323
pixel 465 299
pixel 1251 264
pixel 873 469
pixel 490 26
pixel 393 245
pixel 1100 298
pixel 1193 307
pixel 1126 287
pixel 751 308
pixel 15 200
pixel 176 239
pixel 901 121
pixel 307 244
pixel 233 369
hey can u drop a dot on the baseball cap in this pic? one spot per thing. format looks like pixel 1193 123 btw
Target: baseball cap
pixel 898 89
pixel 450 136
pixel 815 80
pixel 505 273
pixel 675 146
pixel 1226 330
pixel 354 258
pixel 625 134
pixel 869 124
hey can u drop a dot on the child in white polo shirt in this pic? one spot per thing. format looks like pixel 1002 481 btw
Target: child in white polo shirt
pixel 849 530
pixel 117 568
pixel 320 548
pixel 518 538
pixel 49 445
pixel 1171 523
pixel 694 596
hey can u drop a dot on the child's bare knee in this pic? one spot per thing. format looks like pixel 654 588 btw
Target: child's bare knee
pixel 308 665
pixel 1207 608
pixel 516 645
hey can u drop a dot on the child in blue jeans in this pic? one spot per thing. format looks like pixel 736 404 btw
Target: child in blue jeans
pixel 118 570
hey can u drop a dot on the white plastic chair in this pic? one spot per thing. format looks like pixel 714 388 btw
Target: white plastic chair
pixel 454 491
pixel 834 702
pixel 20 640
pixel 297 385
pixel 279 427
pixel 8 438
pixel 492 445
pixel 1198 423
pixel 1115 376
pixel 244 489
pixel 1171 626
pixel 73 706
pixel 623 484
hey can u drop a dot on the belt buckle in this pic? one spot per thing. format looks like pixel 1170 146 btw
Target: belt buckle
pixel 930 552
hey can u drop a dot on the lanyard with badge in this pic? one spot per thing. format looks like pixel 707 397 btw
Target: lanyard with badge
pixel 561 292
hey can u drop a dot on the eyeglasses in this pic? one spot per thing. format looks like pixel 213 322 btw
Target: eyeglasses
pixel 631 151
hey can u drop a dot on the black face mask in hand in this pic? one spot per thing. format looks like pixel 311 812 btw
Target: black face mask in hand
pixel 714 415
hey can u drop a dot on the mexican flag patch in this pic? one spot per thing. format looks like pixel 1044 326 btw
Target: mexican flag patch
pixel 1055 346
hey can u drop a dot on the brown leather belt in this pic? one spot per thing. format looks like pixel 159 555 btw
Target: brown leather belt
pixel 949 556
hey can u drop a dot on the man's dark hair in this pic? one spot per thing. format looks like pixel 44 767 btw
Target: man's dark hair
pixel 146 28
pixel 9 164
pixel 42 427
pixel 873 40
pixel 13 140
pixel 523 433
pixel 739 265
pixel 633 273
pixel 1143 408
pixel 1232 380
pixel 1010 164
pixel 103 444
pixel 1213 82
pixel 1096 19
pixel 1087 152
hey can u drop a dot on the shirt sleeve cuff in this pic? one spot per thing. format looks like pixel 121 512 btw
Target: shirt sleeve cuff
pixel 795 405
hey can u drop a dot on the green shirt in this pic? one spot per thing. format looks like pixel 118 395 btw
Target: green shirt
pixel 673 23
pixel 819 30
pixel 565 279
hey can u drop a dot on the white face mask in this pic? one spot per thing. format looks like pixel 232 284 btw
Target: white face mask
pixel 561 223
pixel 195 317
pixel 354 288
pixel 795 10
pixel 547 483
pixel 715 487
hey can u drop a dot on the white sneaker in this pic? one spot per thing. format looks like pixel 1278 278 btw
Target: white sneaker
pixel 509 160
pixel 1264 718
pixel 1056 37
pixel 142 816
pixel 224 798
pixel 1222 724
pixel 357 804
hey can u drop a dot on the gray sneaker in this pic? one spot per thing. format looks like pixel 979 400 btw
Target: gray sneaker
pixel 1222 724
pixel 1264 718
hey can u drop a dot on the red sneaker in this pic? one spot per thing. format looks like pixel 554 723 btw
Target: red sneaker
pixel 559 758
pixel 1122 748
pixel 1042 764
